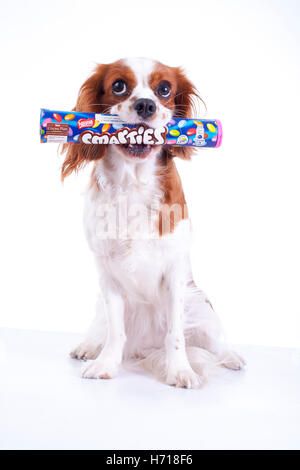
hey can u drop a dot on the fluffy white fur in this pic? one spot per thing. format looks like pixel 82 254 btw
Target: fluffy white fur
pixel 148 307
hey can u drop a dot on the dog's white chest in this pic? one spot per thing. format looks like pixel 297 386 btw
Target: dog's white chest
pixel 121 223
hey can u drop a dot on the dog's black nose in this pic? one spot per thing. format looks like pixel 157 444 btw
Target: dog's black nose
pixel 144 107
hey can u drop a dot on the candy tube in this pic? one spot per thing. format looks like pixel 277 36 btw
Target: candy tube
pixel 90 128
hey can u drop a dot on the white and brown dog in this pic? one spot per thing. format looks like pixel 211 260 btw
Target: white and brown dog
pixel 137 226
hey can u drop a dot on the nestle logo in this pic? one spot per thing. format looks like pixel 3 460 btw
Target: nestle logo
pixel 82 123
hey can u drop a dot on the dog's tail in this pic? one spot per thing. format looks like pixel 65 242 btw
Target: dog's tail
pixel 203 362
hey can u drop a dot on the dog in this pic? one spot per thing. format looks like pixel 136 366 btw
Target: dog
pixel 136 221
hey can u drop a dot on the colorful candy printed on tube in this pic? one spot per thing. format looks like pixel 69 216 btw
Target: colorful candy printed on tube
pixel 89 128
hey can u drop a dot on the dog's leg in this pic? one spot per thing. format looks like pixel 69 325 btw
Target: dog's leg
pixel 206 331
pixel 226 357
pixel 178 369
pixel 107 364
pixel 95 337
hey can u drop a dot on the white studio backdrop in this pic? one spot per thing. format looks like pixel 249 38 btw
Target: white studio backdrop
pixel 243 198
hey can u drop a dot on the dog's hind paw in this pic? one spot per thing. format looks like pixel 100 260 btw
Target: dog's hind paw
pixel 232 360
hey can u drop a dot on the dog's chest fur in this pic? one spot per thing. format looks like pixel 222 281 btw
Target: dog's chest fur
pixel 133 252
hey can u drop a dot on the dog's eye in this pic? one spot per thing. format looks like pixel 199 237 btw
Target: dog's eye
pixel 119 88
pixel 164 89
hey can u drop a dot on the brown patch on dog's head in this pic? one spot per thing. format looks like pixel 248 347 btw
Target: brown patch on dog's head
pixel 186 95
pixel 95 96
pixel 181 100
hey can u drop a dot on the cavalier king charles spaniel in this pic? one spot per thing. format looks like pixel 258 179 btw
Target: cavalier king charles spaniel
pixel 137 226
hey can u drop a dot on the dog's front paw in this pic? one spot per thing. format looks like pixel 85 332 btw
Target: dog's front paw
pixel 100 369
pixel 185 378
pixel 86 350
pixel 232 360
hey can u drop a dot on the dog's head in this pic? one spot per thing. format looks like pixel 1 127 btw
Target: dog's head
pixel 138 90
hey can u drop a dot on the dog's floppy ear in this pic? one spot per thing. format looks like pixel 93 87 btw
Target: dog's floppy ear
pixel 185 98
pixel 90 94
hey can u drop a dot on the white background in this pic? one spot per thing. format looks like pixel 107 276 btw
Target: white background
pixel 244 197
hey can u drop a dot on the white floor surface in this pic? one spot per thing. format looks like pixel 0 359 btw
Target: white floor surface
pixel 45 404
